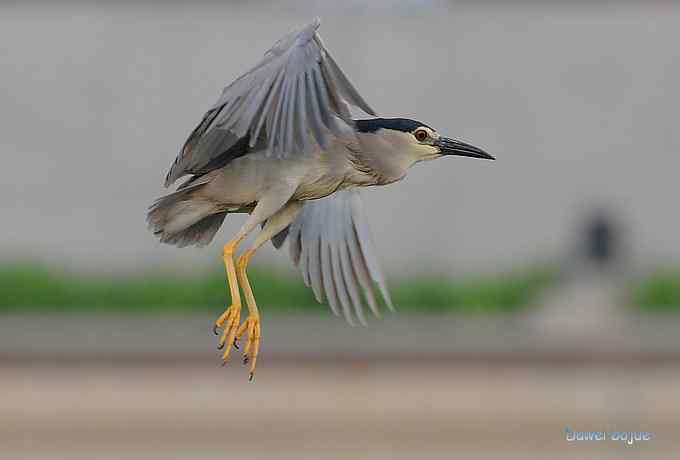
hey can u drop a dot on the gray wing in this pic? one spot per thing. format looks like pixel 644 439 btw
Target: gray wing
pixel 294 99
pixel 331 244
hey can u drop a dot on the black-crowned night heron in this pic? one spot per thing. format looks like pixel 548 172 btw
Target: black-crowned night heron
pixel 281 145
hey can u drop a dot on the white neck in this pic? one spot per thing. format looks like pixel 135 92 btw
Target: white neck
pixel 391 153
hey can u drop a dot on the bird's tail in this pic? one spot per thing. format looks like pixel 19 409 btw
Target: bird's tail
pixel 183 218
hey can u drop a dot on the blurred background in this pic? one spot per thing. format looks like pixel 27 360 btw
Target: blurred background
pixel 535 293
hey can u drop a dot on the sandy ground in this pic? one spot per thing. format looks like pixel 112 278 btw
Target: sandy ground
pixel 360 409
pixel 403 388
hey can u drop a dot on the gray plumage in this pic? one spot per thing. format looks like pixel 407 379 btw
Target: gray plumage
pixel 331 244
pixel 297 94
pixel 281 145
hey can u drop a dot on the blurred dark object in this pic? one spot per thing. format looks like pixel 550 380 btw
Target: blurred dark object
pixel 602 239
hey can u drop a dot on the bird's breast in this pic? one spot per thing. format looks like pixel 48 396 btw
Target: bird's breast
pixel 319 180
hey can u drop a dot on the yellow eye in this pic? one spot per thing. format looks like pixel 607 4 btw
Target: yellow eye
pixel 420 135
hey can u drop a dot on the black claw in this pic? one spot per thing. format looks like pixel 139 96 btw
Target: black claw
pixel 245 360
pixel 215 329
pixel 220 346
pixel 251 377
pixel 236 344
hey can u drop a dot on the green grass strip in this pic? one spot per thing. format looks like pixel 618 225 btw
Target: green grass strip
pixel 658 292
pixel 27 287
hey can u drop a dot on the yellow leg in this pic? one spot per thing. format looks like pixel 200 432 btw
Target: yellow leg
pixel 236 274
pixel 251 325
pixel 229 320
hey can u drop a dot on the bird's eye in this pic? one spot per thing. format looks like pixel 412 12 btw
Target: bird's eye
pixel 420 135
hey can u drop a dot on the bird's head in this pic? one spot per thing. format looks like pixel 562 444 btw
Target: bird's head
pixel 416 139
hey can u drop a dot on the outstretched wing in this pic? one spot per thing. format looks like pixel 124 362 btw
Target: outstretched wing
pixel 331 244
pixel 296 95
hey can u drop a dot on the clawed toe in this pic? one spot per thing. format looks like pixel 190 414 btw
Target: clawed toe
pixel 227 323
pixel 233 333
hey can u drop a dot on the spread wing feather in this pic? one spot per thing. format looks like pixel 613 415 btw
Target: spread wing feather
pixel 290 102
pixel 330 243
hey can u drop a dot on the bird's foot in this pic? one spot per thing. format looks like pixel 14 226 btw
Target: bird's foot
pixel 228 323
pixel 251 327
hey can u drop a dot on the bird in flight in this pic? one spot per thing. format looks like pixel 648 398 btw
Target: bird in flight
pixel 281 145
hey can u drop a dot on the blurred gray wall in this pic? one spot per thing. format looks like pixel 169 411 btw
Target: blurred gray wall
pixel 578 102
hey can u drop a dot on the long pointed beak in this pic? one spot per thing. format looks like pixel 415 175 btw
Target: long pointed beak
pixel 449 146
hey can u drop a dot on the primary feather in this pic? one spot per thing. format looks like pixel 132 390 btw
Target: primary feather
pixel 331 244
pixel 292 101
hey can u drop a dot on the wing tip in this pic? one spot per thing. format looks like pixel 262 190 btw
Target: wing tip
pixel 170 178
pixel 388 301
